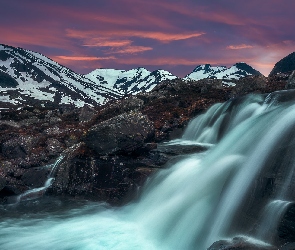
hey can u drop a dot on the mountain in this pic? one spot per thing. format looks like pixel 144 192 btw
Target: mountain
pixel 130 82
pixel 235 72
pixel 27 77
pixel 285 65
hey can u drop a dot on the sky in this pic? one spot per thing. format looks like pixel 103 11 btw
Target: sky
pixel 172 35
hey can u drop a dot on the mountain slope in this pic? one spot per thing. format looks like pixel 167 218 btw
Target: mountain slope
pixel 235 72
pixel 285 65
pixel 27 78
pixel 131 81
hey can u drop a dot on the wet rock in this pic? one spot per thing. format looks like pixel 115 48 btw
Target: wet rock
pixel 35 177
pixel 240 243
pixel 125 133
pixel 2 183
pixel 286 228
pixel 176 149
pixel 288 246
pixel 291 81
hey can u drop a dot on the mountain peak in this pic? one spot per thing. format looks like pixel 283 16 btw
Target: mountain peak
pixel 28 78
pixel 234 72
pixel 285 65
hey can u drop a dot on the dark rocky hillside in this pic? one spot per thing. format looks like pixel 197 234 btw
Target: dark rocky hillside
pixel 108 150
pixel 286 65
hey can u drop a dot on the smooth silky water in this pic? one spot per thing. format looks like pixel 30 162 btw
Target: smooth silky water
pixel 189 205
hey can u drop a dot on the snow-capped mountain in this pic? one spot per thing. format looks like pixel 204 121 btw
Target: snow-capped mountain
pixel 130 82
pixel 27 77
pixel 235 72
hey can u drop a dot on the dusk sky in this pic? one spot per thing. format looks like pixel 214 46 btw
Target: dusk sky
pixel 155 34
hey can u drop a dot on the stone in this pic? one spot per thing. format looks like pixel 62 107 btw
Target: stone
pixel 288 246
pixel 2 183
pixel 249 84
pixel 54 147
pixel 19 147
pixel 286 227
pixel 86 114
pixel 239 243
pixel 291 81
pixel 124 133
pixel 36 177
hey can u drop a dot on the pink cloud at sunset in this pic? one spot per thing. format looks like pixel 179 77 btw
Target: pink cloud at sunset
pixel 83 58
pixel 240 46
pixel 171 35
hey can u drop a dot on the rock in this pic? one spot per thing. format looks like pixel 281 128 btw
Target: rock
pixel 124 133
pixel 240 243
pixel 249 84
pixel 288 246
pixel 129 104
pixel 19 147
pixel 176 149
pixel 291 81
pixel 35 177
pixel 93 178
pixel 286 227
pixel 2 183
pixel 86 113
pixel 54 147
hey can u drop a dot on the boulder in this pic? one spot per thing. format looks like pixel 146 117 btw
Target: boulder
pixel 249 84
pixel 286 228
pixel 86 113
pixel 54 147
pixel 123 133
pixel 36 177
pixel 2 183
pixel 240 243
pixel 19 147
pixel 129 104
pixel 291 81
pixel 288 246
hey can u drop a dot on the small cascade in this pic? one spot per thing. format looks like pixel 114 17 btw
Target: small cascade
pixel 248 173
pixel 38 192
pixel 212 126
pixel 272 214
pixel 206 194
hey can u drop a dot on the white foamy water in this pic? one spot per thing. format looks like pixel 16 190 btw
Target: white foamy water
pixel 189 205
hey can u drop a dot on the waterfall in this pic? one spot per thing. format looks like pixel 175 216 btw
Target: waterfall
pixel 196 202
pixel 200 199
pixel 38 192
pixel 270 218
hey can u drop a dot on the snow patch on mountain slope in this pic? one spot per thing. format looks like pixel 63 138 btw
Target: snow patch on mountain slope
pixel 235 72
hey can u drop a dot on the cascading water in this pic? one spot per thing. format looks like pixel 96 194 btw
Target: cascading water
pixel 38 192
pixel 198 200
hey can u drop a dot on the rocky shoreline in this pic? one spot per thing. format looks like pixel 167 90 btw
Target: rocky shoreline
pixel 106 153
pixel 108 150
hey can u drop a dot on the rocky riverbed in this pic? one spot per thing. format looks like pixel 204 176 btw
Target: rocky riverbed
pixel 108 151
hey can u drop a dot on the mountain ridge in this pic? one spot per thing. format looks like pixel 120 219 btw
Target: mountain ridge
pixel 28 77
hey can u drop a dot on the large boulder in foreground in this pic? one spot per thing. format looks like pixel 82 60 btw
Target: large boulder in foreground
pixel 240 243
pixel 123 133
